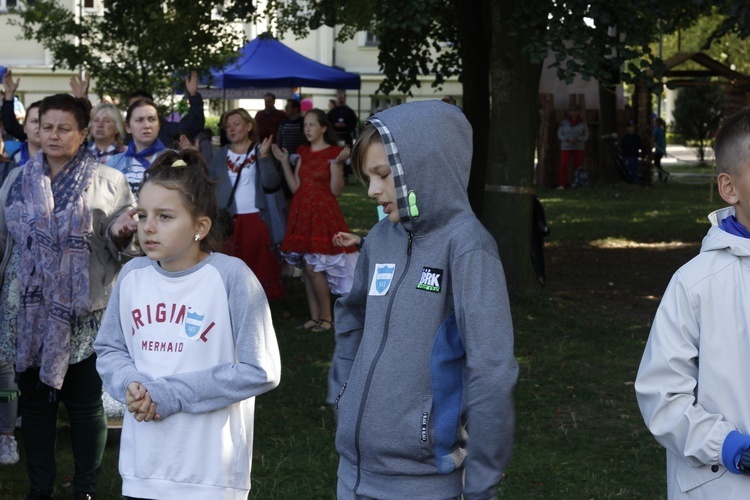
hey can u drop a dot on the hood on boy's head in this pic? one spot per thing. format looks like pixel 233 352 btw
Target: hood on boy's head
pixel 429 147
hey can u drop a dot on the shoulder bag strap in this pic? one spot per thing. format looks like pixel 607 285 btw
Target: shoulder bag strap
pixel 237 180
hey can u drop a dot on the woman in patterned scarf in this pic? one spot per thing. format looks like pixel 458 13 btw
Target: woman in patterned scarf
pixel 63 219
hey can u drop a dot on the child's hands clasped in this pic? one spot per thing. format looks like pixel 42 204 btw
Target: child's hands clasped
pixel 139 403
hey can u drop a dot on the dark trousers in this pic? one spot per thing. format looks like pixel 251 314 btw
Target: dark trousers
pixel 82 394
pixel 632 163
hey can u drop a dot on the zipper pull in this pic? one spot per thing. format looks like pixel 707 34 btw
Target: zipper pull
pixel 341 393
pixel 411 238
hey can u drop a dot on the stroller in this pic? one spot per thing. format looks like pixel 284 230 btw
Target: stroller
pixel 644 166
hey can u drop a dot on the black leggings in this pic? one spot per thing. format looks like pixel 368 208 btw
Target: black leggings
pixel 82 394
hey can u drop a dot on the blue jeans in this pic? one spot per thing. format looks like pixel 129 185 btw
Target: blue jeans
pixel 345 493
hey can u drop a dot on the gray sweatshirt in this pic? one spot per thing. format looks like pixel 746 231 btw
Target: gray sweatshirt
pixel 202 343
pixel 424 340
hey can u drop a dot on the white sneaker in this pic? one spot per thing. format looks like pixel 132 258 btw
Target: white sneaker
pixel 8 450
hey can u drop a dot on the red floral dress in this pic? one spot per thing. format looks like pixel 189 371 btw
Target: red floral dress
pixel 314 214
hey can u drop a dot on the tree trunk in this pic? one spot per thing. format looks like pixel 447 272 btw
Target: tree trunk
pixel 608 172
pixel 514 125
pixel 475 34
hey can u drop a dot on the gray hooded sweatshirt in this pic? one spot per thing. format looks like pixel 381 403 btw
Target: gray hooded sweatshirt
pixel 424 340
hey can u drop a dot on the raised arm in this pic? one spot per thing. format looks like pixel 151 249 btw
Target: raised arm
pixel 269 174
pixel 193 122
pixel 80 86
pixel 195 119
pixel 10 124
pixel 292 178
pixel 337 171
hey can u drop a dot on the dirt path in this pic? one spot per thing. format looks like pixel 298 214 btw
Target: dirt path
pixel 632 278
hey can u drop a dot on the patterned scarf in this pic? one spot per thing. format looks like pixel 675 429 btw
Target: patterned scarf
pixel 24 152
pixel 143 156
pixel 105 154
pixel 50 220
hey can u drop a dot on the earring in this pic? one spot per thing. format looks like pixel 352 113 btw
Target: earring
pixel 197 236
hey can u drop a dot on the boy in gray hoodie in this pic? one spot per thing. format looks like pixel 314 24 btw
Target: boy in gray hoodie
pixel 424 340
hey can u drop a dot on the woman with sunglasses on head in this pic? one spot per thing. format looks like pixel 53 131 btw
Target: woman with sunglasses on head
pixel 245 172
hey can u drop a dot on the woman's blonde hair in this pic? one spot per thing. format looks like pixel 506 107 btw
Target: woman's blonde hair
pixel 114 113
pixel 245 116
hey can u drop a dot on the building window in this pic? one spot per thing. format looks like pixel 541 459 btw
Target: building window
pixel 88 4
pixel 371 40
pixel 380 103
pixel 7 4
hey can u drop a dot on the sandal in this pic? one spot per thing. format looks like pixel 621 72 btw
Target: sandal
pixel 310 324
pixel 321 328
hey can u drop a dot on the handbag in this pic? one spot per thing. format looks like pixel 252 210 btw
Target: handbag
pixel 276 209
pixel 225 219
pixel 277 213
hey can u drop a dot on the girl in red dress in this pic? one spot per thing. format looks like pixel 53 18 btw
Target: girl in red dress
pixel 315 217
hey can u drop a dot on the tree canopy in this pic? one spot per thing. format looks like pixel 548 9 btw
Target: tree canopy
pixel 136 44
pixel 496 49
pixel 591 38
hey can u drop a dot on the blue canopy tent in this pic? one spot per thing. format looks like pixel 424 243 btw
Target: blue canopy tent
pixel 266 64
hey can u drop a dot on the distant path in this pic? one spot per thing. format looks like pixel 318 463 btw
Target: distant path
pixel 684 154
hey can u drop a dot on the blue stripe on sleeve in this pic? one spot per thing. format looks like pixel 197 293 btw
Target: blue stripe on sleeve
pixel 445 371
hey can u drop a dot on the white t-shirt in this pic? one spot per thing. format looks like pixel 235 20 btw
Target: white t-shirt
pixel 244 197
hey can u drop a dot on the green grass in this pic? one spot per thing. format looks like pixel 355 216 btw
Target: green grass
pixel 693 167
pixel 675 211
pixel 579 432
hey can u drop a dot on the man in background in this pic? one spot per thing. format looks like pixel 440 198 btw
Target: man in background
pixel 344 119
pixel 269 118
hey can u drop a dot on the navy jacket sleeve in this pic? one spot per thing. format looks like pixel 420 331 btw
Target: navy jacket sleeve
pixel 190 125
pixel 10 124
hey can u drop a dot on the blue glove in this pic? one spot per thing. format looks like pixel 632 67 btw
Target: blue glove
pixel 731 451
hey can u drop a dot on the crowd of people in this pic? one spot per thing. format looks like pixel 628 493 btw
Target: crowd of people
pixel 138 259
